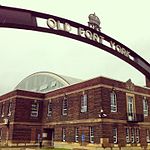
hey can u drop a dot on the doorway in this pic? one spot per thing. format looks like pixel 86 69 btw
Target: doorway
pixel 48 137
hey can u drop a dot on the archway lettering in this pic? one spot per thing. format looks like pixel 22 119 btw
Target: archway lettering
pixel 28 20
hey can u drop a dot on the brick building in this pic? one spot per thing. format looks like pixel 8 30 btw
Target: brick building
pixel 92 114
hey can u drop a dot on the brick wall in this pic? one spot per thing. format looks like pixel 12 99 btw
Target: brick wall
pixel 74 106
pixel 23 110
pixel 26 128
pixel 82 128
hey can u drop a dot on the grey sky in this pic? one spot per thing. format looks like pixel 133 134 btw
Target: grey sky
pixel 26 52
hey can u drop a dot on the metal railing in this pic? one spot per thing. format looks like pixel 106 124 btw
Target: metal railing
pixel 134 117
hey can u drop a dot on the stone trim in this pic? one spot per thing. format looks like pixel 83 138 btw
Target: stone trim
pixel 81 121
pixel 19 96
pixel 97 86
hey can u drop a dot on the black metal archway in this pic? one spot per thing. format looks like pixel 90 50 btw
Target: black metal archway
pixel 27 19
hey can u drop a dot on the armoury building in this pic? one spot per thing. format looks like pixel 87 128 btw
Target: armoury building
pixel 65 112
pixel 96 114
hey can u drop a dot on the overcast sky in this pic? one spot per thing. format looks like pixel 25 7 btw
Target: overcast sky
pixel 27 52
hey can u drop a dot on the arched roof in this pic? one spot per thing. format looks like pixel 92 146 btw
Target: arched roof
pixel 45 82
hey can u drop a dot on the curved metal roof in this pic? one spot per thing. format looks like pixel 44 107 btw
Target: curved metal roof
pixel 45 82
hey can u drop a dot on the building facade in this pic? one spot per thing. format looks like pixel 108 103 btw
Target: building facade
pixel 95 114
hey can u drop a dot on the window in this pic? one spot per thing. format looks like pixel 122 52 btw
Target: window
pixel 49 108
pixel 137 134
pixel 91 134
pixel 84 103
pixel 53 83
pixel 0 133
pixel 148 136
pixel 76 134
pixel 63 134
pixel 132 135
pixel 145 107
pixel 113 102
pixel 9 109
pixel 130 108
pixel 34 109
pixel 65 106
pixel 2 109
pixel 127 135
pixel 115 138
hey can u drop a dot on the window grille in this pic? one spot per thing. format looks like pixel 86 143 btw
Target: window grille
pixel 9 109
pixel 64 134
pixel 76 134
pixel 2 109
pixel 148 136
pixel 137 133
pixel 91 134
pixel 127 135
pixel 145 107
pixel 130 108
pixel 49 108
pixel 34 109
pixel 84 100
pixel 0 133
pixel 113 98
pixel 132 135
pixel 65 106
pixel 115 136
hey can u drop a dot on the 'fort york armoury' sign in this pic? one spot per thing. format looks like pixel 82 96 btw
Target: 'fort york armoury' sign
pixel 91 34
pixel 97 37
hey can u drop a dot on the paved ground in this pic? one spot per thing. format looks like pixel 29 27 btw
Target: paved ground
pixel 19 148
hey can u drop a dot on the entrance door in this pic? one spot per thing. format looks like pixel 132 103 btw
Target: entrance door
pixel 48 137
